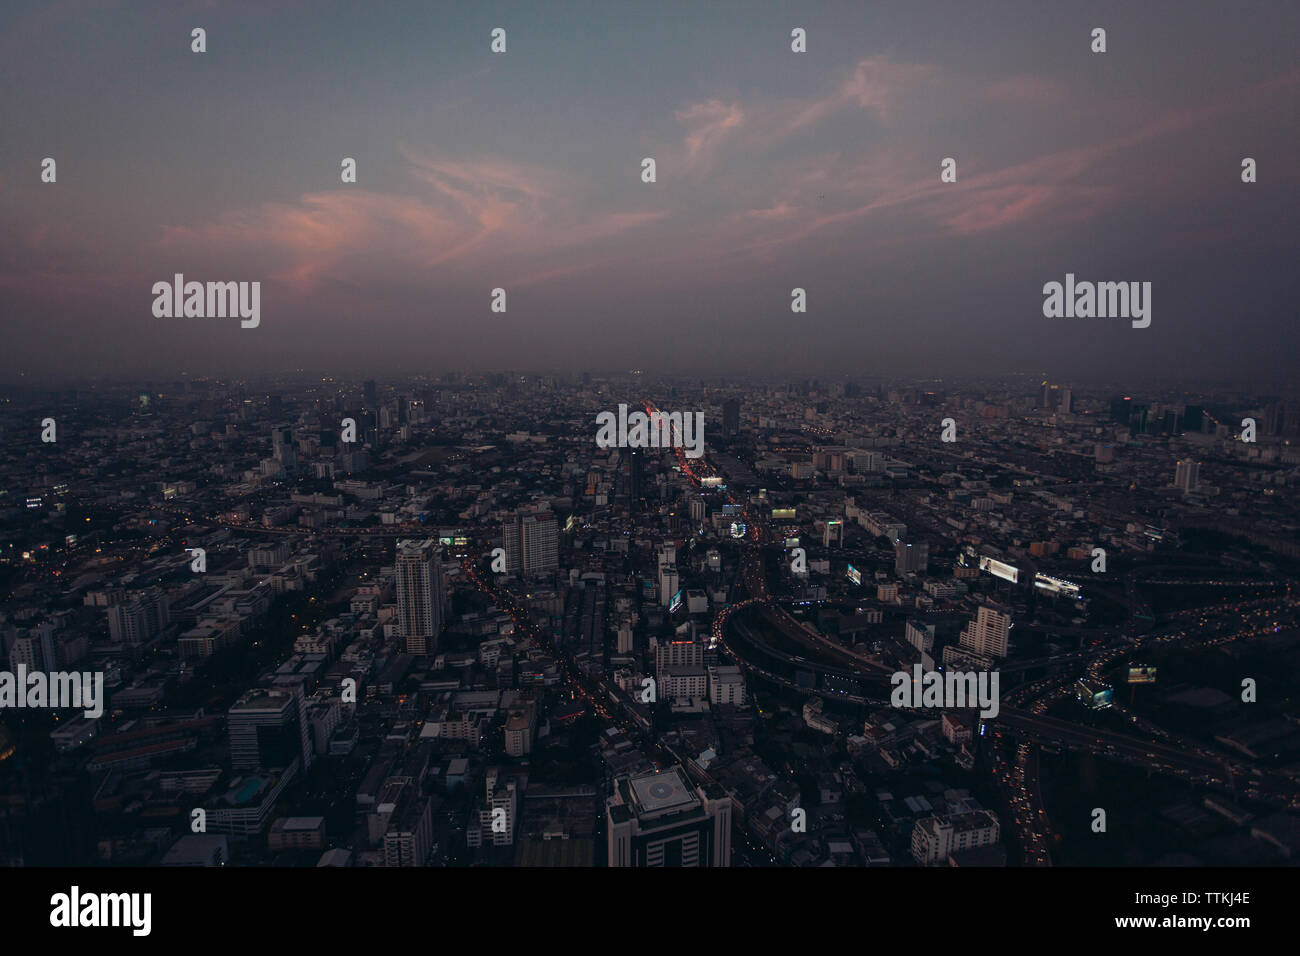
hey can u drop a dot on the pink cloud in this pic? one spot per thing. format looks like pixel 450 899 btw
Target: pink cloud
pixel 710 124
pixel 464 211
pixel 875 85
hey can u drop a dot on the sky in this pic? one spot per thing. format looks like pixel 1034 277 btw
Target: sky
pixel 775 170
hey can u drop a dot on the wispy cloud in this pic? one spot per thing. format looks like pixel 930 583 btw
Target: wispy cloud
pixel 461 211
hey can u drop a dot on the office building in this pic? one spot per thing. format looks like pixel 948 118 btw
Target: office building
pixel 662 820
pixel 268 730
pixel 635 458
pixel 1120 410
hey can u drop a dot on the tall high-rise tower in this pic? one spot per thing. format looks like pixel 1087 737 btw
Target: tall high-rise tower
pixel 731 417
pixel 988 634
pixel 1187 475
pixel 282 448
pixel 419 594
pixel 532 542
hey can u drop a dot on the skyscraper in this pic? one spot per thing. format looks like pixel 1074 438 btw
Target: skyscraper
pixel 419 594
pixel 1187 476
pixel 282 448
pixel 1139 419
pixel 635 477
pixel 731 417
pixel 669 583
pixel 532 542
pixel 1120 410
pixel 911 558
pixel 988 634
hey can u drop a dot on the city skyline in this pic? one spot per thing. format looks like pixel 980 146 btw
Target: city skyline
pixel 601 436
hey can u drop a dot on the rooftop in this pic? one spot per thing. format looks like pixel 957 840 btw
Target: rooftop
pixel 654 794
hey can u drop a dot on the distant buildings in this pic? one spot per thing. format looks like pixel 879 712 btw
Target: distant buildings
pixel 649 559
